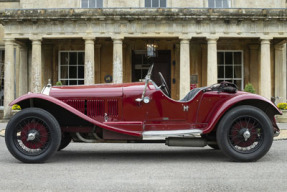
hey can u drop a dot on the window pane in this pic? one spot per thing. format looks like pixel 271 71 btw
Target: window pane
pixel 100 4
pixel 80 72
pixel 85 3
pixel 81 82
pixel 220 58
pixel 237 58
pixel 211 3
pixel 73 82
pixel 73 58
pixel 155 3
pixel 64 58
pixel 228 72
pixel 64 72
pixel 228 58
pixel 218 3
pixel 162 3
pixel 221 72
pixel 73 72
pixel 81 58
pixel 147 3
pixel 92 4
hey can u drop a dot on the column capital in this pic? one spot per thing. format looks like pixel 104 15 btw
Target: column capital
pixel 185 41
pixel 36 41
pixel 89 38
pixel 265 40
pixel 9 40
pixel 117 40
pixel 185 37
pixel 212 39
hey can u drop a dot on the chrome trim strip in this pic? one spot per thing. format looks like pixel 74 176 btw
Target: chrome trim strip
pixel 162 135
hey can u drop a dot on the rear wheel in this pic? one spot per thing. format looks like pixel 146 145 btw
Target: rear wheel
pixel 33 135
pixel 245 134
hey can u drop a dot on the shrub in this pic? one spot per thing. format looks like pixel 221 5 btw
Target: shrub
pixel 59 83
pixel 249 88
pixel 282 106
pixel 16 107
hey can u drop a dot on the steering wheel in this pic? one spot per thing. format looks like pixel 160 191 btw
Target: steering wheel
pixel 163 84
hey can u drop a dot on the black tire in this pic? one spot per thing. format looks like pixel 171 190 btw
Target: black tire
pixel 33 135
pixel 65 141
pixel 214 146
pixel 245 134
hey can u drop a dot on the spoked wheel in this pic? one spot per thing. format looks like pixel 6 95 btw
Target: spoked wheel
pixel 33 135
pixel 245 134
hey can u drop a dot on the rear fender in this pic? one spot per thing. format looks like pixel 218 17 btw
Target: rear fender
pixel 249 99
pixel 29 99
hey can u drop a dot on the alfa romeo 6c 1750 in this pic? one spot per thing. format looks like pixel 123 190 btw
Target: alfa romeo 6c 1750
pixel 240 124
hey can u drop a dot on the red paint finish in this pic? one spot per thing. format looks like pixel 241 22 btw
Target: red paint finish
pixel 114 107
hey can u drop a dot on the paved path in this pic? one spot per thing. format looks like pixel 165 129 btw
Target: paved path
pixel 144 167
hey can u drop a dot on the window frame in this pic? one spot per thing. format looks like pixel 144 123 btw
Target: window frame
pixel 159 4
pixel 229 2
pixel 96 4
pixel 60 65
pixel 242 67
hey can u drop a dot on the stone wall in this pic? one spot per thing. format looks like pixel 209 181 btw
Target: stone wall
pixel 26 4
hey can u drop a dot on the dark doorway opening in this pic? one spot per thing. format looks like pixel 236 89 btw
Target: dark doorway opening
pixel 140 66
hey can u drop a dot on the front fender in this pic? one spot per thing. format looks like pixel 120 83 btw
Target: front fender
pixel 27 101
pixel 245 99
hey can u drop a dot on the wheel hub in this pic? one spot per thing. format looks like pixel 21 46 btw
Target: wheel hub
pixel 33 135
pixel 246 135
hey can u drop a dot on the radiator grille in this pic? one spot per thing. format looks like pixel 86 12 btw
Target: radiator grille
pixel 113 107
pixel 95 108
pixel 77 104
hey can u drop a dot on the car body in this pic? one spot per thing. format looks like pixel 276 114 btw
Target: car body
pixel 241 124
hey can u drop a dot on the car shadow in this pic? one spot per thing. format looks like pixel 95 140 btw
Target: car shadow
pixel 190 155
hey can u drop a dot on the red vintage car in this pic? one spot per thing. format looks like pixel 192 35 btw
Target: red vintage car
pixel 240 124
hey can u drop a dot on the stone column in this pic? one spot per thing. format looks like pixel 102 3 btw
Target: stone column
pixel 118 60
pixel 8 76
pixel 23 73
pixel 36 66
pixel 280 72
pixel 89 60
pixel 212 60
pixel 265 69
pixel 184 69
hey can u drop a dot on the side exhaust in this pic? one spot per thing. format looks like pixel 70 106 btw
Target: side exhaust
pixel 185 142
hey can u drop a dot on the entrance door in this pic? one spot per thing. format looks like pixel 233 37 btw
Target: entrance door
pixel 140 66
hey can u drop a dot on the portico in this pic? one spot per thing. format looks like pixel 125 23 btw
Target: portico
pixel 108 40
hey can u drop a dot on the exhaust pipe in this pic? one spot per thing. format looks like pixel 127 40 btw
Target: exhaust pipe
pixel 186 142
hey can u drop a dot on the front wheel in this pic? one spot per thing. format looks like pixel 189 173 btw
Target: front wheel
pixel 33 135
pixel 245 134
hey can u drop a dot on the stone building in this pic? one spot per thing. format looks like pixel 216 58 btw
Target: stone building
pixel 199 42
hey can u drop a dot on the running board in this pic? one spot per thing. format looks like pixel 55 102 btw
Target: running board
pixel 162 135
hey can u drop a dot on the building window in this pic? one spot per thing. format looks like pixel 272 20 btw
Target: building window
pixel 92 3
pixel 2 53
pixel 230 67
pixel 219 3
pixel 155 3
pixel 71 67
